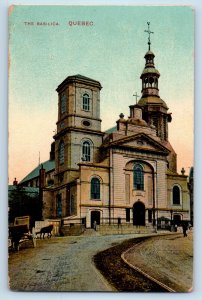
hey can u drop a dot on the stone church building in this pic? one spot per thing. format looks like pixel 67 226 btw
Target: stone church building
pixel 127 174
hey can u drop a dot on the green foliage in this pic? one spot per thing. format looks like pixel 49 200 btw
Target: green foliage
pixel 23 203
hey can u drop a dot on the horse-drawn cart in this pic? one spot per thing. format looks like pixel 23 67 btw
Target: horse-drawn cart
pixel 20 233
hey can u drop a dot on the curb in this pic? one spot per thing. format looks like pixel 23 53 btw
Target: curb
pixel 144 273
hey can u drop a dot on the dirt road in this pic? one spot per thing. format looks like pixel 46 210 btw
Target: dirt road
pixel 61 264
pixel 66 264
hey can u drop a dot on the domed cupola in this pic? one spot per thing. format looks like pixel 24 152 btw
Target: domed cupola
pixel 150 76
pixel 154 108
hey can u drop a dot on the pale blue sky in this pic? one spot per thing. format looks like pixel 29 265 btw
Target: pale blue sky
pixel 111 51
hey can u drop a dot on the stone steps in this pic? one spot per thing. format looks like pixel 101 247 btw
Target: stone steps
pixel 72 230
pixel 90 232
pixel 68 230
pixel 121 229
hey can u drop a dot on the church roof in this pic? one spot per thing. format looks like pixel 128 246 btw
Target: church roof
pixel 30 191
pixel 149 52
pixel 84 77
pixel 26 189
pixel 81 78
pixel 168 146
pixel 152 100
pixel 48 165
pixel 124 142
pixel 110 130
pixel 170 172
pixel 150 70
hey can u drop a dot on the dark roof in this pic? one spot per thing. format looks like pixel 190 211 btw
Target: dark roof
pixel 79 77
pixel 150 71
pixel 110 130
pixel 31 191
pixel 152 100
pixel 48 165
pixel 149 52
pixel 83 77
pixel 24 188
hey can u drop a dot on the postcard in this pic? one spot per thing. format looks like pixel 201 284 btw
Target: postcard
pixel 101 171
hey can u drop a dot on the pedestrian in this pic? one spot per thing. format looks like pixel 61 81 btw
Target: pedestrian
pixel 175 227
pixel 189 226
pixel 95 225
pixel 184 227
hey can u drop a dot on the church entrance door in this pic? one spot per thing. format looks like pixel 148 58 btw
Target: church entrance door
pixel 139 214
pixel 95 217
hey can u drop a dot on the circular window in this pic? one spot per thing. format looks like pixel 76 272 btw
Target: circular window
pixel 86 123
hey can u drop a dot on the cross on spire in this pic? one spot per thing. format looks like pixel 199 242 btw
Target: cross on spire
pixel 136 96
pixel 149 32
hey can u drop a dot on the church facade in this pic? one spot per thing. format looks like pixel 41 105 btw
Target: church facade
pixel 127 174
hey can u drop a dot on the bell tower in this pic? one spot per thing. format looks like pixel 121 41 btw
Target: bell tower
pixel 78 135
pixel 153 107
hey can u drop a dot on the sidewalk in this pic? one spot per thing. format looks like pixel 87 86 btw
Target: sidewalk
pixel 169 259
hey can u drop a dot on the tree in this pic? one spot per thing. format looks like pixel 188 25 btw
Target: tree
pixel 22 202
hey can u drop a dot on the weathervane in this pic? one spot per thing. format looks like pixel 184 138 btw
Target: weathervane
pixel 136 96
pixel 149 32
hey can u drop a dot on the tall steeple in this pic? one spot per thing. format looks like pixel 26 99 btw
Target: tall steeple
pixel 150 74
pixel 153 107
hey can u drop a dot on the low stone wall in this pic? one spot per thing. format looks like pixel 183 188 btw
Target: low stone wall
pixel 123 229
pixel 72 229
pixel 55 222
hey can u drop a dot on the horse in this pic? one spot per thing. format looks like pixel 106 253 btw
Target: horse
pixel 47 229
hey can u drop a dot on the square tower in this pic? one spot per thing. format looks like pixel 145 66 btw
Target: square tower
pixel 78 127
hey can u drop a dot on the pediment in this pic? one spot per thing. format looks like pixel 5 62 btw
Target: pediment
pixel 142 142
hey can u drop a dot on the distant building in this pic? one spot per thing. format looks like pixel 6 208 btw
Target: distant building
pixel 24 201
pixel 191 193
pixel 33 180
pixel 128 173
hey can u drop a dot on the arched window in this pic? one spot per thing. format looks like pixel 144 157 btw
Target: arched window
pixel 95 188
pixel 61 152
pixel 86 102
pixel 63 103
pixel 138 175
pixel 86 151
pixel 151 81
pixel 176 195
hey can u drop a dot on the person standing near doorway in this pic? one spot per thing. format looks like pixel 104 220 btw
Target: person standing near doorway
pixel 95 225
pixel 184 227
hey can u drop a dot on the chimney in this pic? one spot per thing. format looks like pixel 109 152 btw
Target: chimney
pixel 15 182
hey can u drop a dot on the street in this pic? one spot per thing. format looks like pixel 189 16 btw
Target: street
pixel 61 264
pixel 66 263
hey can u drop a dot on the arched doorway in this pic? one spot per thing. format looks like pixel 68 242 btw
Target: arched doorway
pixel 95 216
pixel 139 214
pixel 177 219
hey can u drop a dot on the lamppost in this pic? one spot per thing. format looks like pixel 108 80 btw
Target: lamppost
pixel 154 219
pixel 171 215
pixel 155 222
pixel 171 220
